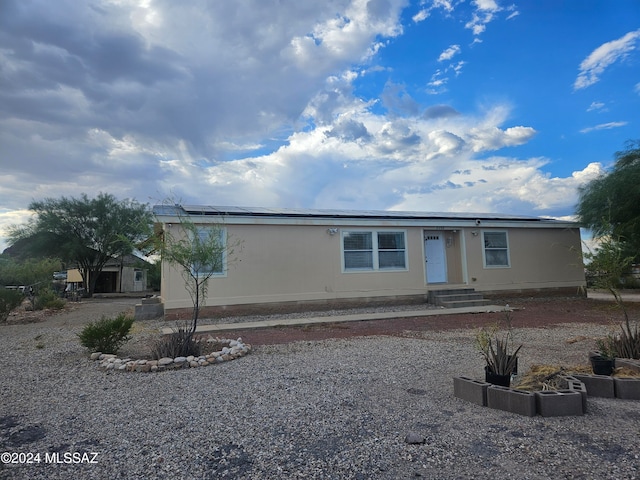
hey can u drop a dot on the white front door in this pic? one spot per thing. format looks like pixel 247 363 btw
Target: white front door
pixel 435 258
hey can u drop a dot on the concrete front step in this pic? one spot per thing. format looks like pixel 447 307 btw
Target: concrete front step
pixel 457 298
pixel 433 295
pixel 465 303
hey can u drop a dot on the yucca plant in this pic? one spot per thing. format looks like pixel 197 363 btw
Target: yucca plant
pixel 625 344
pixel 495 347
pixel 498 358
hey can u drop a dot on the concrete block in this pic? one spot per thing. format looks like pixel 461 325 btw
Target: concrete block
pixel 148 311
pixel 511 400
pixel 597 385
pixel 474 391
pixel 627 388
pixel 151 301
pixel 575 385
pixel 559 403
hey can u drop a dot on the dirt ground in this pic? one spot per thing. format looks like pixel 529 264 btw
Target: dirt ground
pixel 528 312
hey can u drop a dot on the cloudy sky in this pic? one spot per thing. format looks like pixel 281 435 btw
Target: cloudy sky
pixel 430 105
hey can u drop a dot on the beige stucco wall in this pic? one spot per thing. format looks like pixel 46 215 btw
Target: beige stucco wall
pixel 282 263
pixel 298 262
pixel 540 258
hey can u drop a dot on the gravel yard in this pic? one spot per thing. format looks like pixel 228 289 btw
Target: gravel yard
pixel 323 402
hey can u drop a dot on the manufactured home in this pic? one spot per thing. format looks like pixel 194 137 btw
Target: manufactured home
pixel 301 258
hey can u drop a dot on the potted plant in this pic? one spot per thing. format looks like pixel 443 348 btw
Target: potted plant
pixel 603 360
pixel 494 347
pixel 624 344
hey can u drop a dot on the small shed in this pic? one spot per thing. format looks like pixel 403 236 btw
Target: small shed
pixel 126 274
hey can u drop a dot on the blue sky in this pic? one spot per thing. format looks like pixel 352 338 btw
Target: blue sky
pixel 435 105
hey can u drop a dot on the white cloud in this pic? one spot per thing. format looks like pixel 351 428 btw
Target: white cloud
pixel 9 218
pixel 604 56
pixel 604 126
pixel 514 13
pixel 409 163
pixel 446 5
pixel 596 106
pixel 247 104
pixel 449 53
pixel 484 14
pixel 420 16
pixel 500 184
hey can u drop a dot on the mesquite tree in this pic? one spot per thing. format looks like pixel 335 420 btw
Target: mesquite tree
pixel 610 204
pixel 84 231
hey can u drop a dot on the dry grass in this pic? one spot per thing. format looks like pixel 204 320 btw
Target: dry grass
pixel 548 377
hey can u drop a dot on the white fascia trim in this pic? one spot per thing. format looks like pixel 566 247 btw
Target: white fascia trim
pixel 370 223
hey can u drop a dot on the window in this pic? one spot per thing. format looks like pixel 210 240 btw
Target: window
pixel 496 249
pixel 373 250
pixel 208 236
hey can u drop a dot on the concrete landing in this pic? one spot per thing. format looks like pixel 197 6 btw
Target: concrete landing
pixel 358 317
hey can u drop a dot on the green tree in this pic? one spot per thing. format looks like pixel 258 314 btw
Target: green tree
pixel 31 271
pixel 610 204
pixel 83 231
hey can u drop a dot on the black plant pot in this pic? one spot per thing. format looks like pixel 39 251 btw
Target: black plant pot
pixel 494 379
pixel 602 365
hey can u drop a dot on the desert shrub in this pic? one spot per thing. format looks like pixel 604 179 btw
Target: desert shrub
pixel 624 344
pixel 180 343
pixel 9 299
pixel 47 298
pixel 107 335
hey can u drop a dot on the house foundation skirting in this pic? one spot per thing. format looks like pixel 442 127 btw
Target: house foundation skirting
pixel 268 308
pixel 573 291
pixel 294 306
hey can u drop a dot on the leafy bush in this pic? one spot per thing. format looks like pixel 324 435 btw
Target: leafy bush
pixel 9 299
pixel 47 298
pixel 107 335
pixel 180 343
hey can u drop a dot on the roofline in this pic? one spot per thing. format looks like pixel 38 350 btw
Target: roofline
pixel 243 215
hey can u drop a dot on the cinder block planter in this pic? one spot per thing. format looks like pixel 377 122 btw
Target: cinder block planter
pixel 511 400
pixel 597 385
pixel 627 388
pixel 474 391
pixel 575 385
pixel 559 403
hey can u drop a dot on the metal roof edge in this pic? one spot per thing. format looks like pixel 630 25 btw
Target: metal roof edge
pixel 264 212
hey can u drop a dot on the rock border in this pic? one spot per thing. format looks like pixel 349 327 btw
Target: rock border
pixel 235 349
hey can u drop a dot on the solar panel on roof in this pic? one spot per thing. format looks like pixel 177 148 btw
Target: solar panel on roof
pixel 332 213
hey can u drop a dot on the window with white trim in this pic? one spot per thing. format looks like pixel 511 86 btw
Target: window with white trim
pixel 496 249
pixel 208 236
pixel 374 250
